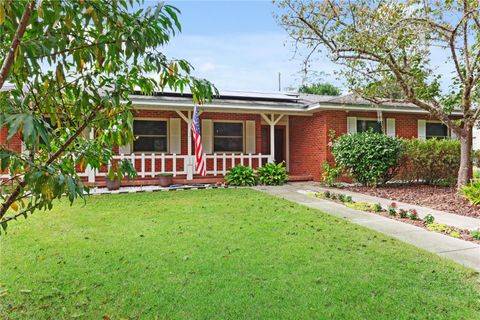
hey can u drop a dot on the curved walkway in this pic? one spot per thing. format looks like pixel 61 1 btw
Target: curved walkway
pixel 463 252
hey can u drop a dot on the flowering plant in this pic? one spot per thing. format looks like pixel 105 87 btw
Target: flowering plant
pixel 403 214
pixel 413 215
pixel 392 209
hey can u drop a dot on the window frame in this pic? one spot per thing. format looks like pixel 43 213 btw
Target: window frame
pixel 228 121
pixel 448 136
pixel 142 135
pixel 383 126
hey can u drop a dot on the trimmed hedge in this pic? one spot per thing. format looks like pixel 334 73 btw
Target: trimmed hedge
pixel 370 158
pixel 430 161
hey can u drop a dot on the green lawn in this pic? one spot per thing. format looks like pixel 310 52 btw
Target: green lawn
pixel 219 254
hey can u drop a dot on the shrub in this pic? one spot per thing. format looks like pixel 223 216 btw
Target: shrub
pixel 362 206
pixel 241 175
pixel 273 174
pixel 377 207
pixel 403 213
pixel 431 161
pixel 330 173
pixel 413 214
pixel 471 192
pixel 429 219
pixel 370 158
pixel 475 234
pixel 392 209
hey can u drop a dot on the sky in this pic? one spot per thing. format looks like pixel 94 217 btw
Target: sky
pixel 239 46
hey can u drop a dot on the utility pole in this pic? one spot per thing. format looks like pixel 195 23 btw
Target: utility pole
pixel 279 81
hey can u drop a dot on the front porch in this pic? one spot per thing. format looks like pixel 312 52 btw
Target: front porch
pixel 264 138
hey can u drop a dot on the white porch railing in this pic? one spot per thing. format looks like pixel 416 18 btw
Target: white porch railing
pixel 152 164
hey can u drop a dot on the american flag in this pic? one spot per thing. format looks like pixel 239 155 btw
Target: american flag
pixel 197 138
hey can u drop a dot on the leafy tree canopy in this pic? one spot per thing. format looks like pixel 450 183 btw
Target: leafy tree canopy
pixel 323 89
pixel 388 51
pixel 72 65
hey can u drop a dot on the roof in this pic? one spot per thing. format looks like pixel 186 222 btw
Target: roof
pixel 287 102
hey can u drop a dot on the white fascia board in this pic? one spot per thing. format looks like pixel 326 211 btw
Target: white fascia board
pixel 361 108
pixel 218 108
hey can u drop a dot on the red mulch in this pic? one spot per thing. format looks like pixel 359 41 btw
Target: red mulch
pixel 440 198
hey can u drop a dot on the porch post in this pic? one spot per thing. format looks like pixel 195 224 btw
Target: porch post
pixel 189 163
pixel 90 171
pixel 272 138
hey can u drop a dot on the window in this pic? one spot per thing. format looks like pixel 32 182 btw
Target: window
pixel 227 137
pixel 436 130
pixel 365 125
pixel 151 136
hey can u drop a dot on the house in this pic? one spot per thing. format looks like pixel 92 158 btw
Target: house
pixel 254 128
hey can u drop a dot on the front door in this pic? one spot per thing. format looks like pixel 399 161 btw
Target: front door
pixel 279 144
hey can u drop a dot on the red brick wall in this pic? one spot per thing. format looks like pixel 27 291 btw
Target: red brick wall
pixel 15 144
pixel 309 136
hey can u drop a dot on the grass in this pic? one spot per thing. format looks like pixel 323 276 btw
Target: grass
pixel 219 254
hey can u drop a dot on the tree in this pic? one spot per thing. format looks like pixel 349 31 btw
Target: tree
pixel 72 65
pixel 389 44
pixel 322 89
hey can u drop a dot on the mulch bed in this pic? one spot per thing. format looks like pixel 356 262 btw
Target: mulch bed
pixel 440 198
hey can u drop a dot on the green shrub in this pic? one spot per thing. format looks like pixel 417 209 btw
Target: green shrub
pixel 471 192
pixel 241 175
pixel 475 234
pixel 330 173
pixel 362 206
pixel 429 219
pixel 431 161
pixel 273 174
pixel 370 158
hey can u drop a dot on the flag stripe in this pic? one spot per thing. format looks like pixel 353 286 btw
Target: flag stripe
pixel 200 164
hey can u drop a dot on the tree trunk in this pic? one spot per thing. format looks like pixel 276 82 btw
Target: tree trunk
pixel 466 166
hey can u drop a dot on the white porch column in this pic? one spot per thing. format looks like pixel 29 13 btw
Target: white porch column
pixel 189 163
pixel 272 122
pixel 90 171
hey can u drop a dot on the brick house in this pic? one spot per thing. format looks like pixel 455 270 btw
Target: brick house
pixel 253 128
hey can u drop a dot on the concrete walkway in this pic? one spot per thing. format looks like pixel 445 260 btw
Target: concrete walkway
pixel 451 219
pixel 463 252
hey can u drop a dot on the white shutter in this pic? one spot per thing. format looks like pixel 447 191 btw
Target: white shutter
pixel 126 149
pixel 422 129
pixel 174 138
pixel 391 127
pixel 352 124
pixel 207 135
pixel 250 137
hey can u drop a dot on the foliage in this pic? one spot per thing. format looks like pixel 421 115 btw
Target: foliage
pixel 370 158
pixel 413 214
pixel 72 71
pixel 196 247
pixel 377 207
pixel 475 234
pixel 402 213
pixel 443 228
pixel 322 89
pixel 392 209
pixel 429 219
pixel 242 176
pixel 330 173
pixel 430 161
pixel 471 192
pixel 272 174
pixel 124 168
pixel 344 198
pixel 385 52
pixel 362 206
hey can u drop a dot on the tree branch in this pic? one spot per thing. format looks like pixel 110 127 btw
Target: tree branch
pixel 22 26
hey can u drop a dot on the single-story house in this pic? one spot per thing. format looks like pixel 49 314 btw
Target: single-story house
pixel 254 128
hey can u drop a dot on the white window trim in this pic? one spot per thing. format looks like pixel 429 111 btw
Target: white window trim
pixel 243 136
pixel 372 119
pixel 449 131
pixel 166 135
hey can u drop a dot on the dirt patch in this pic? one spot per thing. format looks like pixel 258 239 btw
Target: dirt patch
pixel 440 198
